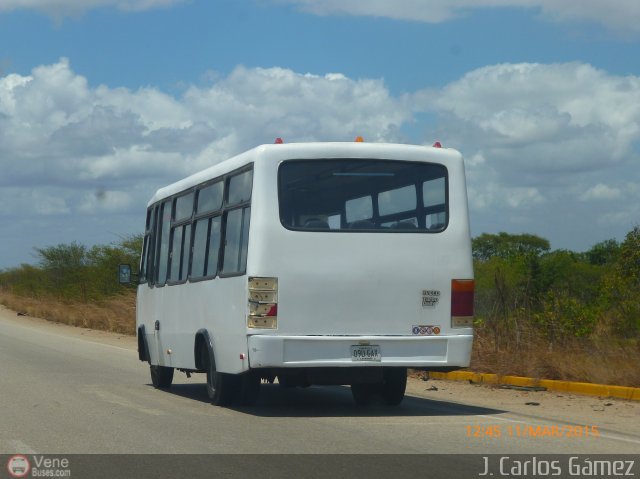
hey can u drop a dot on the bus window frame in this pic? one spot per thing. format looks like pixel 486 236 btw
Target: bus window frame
pixel 222 211
pixel 181 223
pixel 227 208
pixel 420 211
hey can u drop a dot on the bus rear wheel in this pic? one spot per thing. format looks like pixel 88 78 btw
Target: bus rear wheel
pixel 161 376
pixel 220 386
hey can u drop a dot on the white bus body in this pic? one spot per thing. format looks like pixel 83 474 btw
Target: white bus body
pixel 316 263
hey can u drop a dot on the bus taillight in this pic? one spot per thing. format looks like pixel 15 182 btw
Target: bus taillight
pixel 263 303
pixel 462 303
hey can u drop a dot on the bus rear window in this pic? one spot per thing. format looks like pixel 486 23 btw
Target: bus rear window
pixel 363 195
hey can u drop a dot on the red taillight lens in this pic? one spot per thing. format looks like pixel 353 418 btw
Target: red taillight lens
pixel 462 297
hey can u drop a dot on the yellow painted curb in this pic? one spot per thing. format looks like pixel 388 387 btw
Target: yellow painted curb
pixel 603 390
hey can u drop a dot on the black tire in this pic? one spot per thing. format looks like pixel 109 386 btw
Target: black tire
pixel 161 376
pixel 221 387
pixel 393 386
pixel 363 393
pixel 249 388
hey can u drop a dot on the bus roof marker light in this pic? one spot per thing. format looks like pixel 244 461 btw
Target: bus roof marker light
pixel 359 139
pixel 437 144
pixel 278 141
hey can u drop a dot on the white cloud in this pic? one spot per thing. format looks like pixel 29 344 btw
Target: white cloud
pixel 601 192
pixel 535 123
pixel 59 8
pixel 488 196
pixel 522 197
pixel 553 149
pixel 56 130
pixel 537 139
pixel 279 102
pixel 621 15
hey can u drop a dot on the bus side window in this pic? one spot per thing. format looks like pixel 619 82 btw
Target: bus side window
pixel 181 238
pixel 186 251
pixel 162 259
pixel 236 241
pixel 206 247
pixel 146 247
pixel 213 250
pixel 210 198
pixel 184 207
pixel 239 188
pixel 176 242
pixel 181 246
pixel 236 227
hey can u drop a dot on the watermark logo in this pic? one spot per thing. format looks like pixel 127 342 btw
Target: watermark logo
pixel 18 466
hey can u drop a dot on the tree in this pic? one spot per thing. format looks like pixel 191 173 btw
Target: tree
pixel 621 291
pixel 604 253
pixel 505 245
pixel 65 266
pixel 629 259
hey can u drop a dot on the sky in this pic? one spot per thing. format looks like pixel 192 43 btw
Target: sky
pixel 104 101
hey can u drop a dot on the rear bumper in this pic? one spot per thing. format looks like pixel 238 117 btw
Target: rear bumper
pixel 335 351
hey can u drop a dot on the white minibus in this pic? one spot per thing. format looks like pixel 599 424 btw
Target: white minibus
pixel 312 264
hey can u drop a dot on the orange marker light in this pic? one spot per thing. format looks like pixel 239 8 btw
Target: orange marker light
pixel 359 139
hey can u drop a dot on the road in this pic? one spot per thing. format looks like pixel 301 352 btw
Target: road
pixel 67 390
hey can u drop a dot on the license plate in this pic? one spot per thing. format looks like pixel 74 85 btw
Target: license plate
pixel 365 353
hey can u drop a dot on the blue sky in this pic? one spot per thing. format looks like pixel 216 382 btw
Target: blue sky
pixel 104 101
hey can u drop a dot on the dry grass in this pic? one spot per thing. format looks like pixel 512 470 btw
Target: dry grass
pixel 607 361
pixel 116 314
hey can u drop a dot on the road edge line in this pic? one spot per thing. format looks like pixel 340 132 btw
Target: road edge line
pixel 590 389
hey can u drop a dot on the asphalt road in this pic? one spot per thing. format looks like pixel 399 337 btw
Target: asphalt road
pixel 71 391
